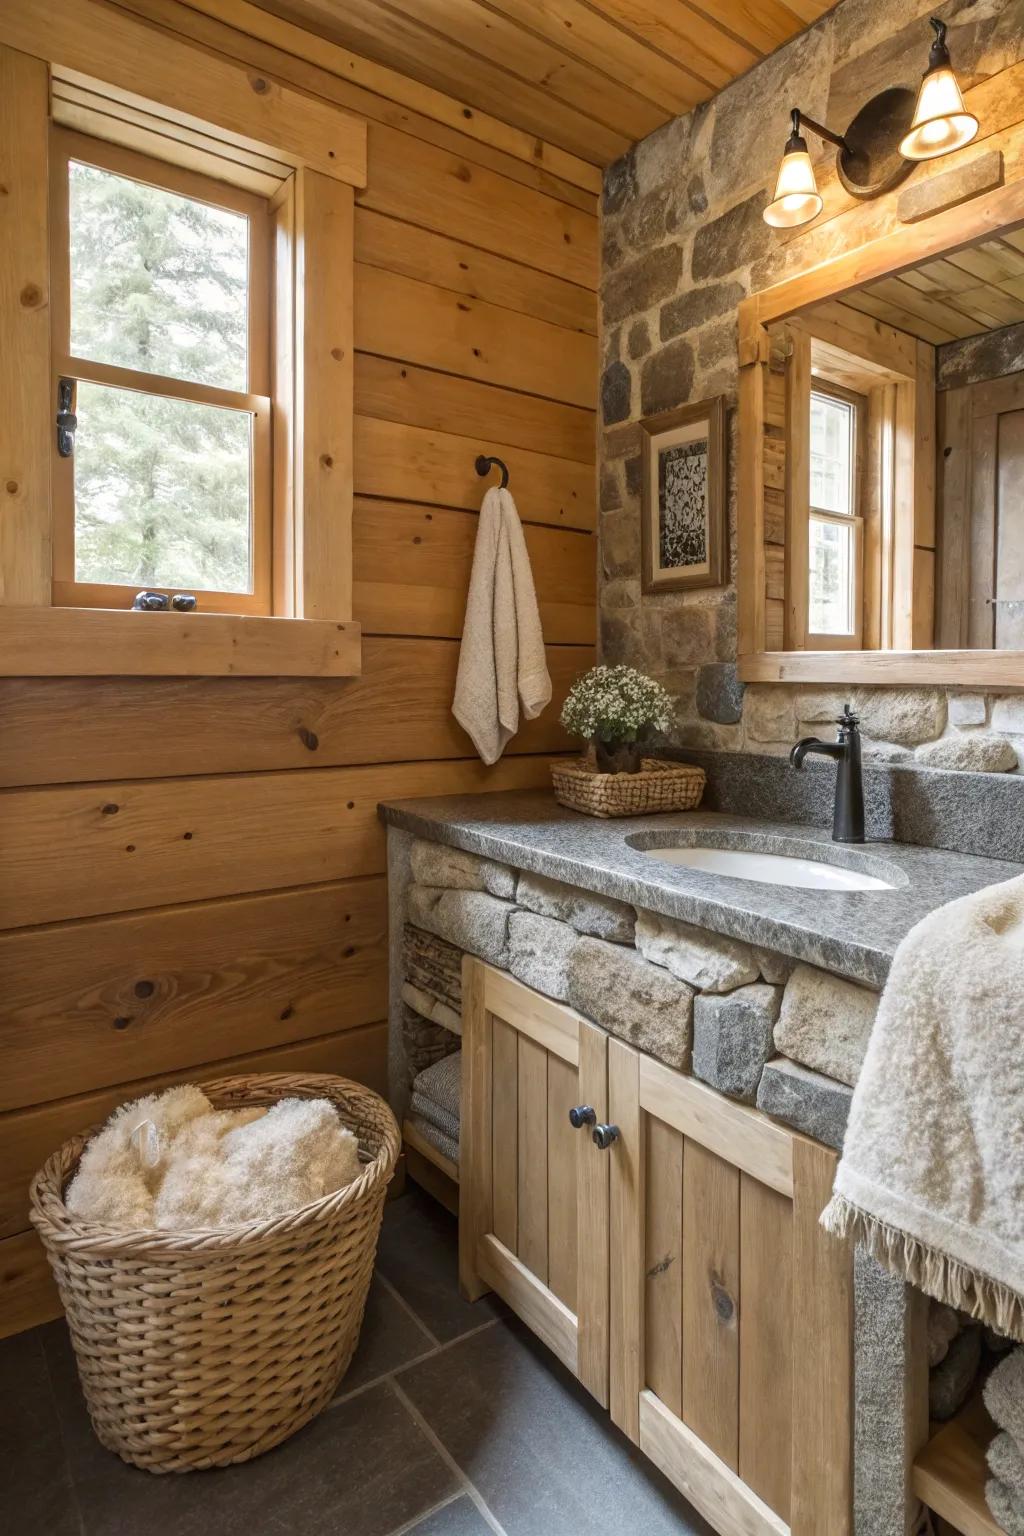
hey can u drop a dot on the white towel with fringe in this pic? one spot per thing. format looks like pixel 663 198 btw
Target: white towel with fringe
pixel 931 1179
pixel 502 664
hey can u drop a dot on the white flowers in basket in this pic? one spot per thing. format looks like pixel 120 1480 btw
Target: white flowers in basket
pixel 616 709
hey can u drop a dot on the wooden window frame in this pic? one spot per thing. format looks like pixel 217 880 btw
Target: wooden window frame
pixel 813 639
pixel 906 247
pixel 66 146
pixel 95 69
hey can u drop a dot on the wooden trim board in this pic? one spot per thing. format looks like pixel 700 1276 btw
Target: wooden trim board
pixel 115 642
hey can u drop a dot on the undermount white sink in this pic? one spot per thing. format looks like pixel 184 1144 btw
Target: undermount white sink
pixel 772 869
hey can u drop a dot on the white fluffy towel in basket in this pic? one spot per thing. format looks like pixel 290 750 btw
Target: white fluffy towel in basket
pixel 172 1161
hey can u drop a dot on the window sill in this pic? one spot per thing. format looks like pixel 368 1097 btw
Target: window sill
pixel 116 642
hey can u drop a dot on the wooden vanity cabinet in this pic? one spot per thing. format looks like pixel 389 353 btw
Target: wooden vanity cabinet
pixel 533 1191
pixel 679 1271
pixel 730 1307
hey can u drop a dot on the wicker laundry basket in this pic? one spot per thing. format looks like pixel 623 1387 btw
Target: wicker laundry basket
pixel 200 1349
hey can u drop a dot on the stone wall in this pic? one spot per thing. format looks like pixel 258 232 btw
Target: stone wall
pixel 683 242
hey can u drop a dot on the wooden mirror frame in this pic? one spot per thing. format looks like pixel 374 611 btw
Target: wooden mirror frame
pixel 984 218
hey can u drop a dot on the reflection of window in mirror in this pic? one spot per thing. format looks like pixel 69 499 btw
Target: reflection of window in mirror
pixel 835 525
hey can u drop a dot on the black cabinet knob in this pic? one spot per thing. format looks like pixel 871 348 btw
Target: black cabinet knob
pixel 582 1115
pixel 604 1135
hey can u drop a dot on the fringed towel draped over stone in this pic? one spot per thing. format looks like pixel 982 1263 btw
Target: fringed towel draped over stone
pixel 931 1179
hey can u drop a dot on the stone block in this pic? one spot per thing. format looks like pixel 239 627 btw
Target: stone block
pixel 432 965
pixel 437 864
pixel 620 592
pixel 642 284
pixel 973 752
pixel 717 342
pixel 626 995
pixel 539 951
pixel 620 543
pixel 425 1041
pixel 720 693
pixel 950 188
pixel 816 1105
pixel 430 1007
pixel 906 716
pixel 601 916
pixel 1008 714
pixel 690 310
pixel 620 184
pixel 638 341
pixel 471 920
pixel 687 632
pixel 732 1038
pixel 707 961
pixel 774 968
pixel 616 393
pixel 768 714
pixel 610 494
pixel 734 239
pixel 967 709
pixel 650 218
pixel 666 378
pixel 825 1022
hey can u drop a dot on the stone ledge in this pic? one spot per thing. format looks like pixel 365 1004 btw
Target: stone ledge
pixel 807 1101
pixel 602 917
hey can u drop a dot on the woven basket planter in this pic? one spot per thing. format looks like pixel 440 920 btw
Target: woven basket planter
pixel 659 786
pixel 200 1349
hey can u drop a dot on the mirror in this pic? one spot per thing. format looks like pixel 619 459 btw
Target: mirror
pixel 889 426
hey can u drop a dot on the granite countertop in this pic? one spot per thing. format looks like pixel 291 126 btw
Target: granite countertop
pixel 854 933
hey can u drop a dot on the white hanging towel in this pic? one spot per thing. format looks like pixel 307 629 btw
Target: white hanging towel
pixel 502 665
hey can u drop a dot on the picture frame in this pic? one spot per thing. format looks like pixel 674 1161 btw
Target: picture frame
pixel 683 509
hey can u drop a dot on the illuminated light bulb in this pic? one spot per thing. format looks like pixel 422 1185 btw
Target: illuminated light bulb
pixel 941 122
pixel 796 199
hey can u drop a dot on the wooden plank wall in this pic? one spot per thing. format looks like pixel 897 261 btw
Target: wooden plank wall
pixel 192 868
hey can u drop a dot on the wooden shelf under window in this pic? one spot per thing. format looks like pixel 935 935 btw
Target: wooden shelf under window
pixel 116 642
pixel 951 1472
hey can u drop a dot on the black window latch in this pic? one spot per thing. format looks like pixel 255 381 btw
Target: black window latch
pixel 67 421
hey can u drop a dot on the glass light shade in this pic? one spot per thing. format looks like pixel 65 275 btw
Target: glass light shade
pixel 796 199
pixel 941 123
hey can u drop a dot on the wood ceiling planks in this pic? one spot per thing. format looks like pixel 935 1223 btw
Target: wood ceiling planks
pixel 960 295
pixel 589 76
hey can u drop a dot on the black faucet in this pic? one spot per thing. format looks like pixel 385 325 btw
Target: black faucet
pixel 848 817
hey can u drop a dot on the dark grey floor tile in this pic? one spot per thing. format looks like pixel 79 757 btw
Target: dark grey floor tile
pixel 37 1497
pixel 363 1468
pixel 419 1254
pixel 460 1518
pixel 541 1452
pixel 390 1338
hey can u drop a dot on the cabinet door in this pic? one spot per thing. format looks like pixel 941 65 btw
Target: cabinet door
pixel 533 1196
pixel 731 1353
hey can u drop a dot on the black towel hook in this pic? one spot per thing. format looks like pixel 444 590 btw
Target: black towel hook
pixel 484 465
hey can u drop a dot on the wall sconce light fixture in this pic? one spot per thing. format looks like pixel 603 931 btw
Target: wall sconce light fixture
pixel 941 122
pixel 880 148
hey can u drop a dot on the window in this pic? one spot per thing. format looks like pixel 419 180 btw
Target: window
pixel 835 528
pixel 161 310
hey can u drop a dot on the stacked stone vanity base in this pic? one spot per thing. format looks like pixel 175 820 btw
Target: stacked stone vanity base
pixel 752 1024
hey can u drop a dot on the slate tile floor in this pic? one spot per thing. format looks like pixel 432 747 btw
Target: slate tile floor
pixel 452 1421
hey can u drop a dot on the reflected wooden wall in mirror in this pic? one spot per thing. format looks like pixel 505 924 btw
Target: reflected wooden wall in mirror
pixel 881 496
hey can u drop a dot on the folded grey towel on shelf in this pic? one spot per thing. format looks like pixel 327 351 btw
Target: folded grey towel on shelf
pixel 437 1139
pixel 1004 1395
pixel 1006 1462
pixel 1005 1505
pixel 442 1121
pixel 441 1083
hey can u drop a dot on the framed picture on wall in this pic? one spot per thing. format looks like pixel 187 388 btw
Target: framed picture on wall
pixel 683 507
